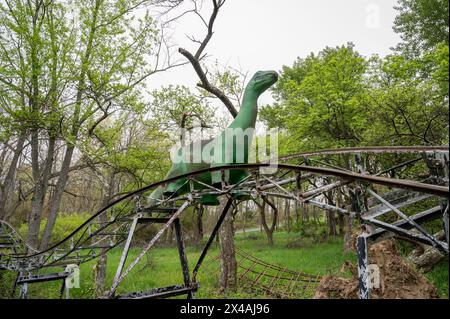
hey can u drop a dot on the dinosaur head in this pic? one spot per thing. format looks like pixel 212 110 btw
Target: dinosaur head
pixel 262 80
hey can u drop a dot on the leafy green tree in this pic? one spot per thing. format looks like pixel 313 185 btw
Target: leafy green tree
pixel 422 24
pixel 318 100
pixel 175 107
pixel 34 45
pixel 65 67
pixel 320 104
pixel 131 148
pixel 408 101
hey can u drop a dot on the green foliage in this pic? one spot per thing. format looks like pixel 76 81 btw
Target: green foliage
pixel 340 99
pixel 73 72
pixel 230 81
pixel 170 103
pixel 64 226
pixel 438 62
pixel 319 99
pixel 103 50
pixel 422 24
pixel 439 277
pixel 408 101
pixel 310 232
pixel 131 147
pixel 7 279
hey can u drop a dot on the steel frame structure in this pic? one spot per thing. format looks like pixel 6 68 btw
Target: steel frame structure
pixel 380 216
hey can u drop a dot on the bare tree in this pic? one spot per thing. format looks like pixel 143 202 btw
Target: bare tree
pixel 262 209
pixel 228 276
pixel 195 59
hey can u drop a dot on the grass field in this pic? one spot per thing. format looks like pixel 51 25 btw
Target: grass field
pixel 162 266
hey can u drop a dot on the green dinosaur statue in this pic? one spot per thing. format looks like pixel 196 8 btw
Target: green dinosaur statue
pixel 230 147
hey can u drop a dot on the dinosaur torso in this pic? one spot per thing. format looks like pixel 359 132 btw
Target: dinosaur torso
pixel 230 147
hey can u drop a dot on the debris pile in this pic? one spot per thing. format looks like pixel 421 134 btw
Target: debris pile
pixel 397 278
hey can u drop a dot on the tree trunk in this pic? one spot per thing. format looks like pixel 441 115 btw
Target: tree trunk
pixel 169 236
pixel 244 217
pixel 7 189
pixel 228 263
pixel 262 209
pixel 331 216
pixel 41 179
pixel 262 212
pixel 315 214
pixel 296 211
pixel 339 204
pixel 305 214
pixel 348 244
pixel 200 222
pixel 197 224
pixel 57 196
pixel 341 223
pixel 287 212
pixel 102 263
pixel 75 127
pixel 100 274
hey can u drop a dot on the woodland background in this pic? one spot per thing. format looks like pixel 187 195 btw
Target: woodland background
pixel 79 127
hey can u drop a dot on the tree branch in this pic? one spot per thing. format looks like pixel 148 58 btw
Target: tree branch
pixel 206 85
pixel 195 59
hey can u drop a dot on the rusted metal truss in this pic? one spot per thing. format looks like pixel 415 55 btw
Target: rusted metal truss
pixel 376 199
pixel 273 280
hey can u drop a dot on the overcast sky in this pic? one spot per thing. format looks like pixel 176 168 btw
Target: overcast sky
pixel 254 35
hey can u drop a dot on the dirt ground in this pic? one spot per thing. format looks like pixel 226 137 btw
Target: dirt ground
pixel 397 278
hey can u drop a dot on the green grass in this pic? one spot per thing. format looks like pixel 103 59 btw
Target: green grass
pixel 162 266
pixel 438 276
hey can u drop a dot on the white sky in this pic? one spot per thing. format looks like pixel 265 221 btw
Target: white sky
pixel 253 35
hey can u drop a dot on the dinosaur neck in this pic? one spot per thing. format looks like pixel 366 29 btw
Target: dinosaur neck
pixel 248 112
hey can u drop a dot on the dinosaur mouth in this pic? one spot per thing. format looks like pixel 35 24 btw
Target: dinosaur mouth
pixel 271 77
pixel 267 79
pixel 268 76
pixel 273 74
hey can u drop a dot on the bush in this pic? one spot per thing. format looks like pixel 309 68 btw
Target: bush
pixel 144 235
pixel 312 230
pixel 252 236
pixel 7 279
pixel 307 234
pixel 64 226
